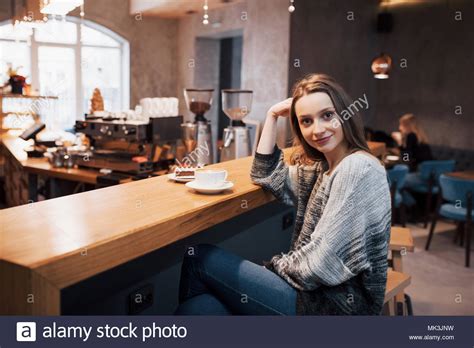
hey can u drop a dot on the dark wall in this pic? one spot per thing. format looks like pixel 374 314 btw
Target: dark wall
pixel 439 53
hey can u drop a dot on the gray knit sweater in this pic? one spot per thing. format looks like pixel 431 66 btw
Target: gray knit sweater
pixel 338 254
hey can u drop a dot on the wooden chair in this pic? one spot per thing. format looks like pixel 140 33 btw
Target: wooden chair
pixel 396 284
pixel 458 207
pixel 401 242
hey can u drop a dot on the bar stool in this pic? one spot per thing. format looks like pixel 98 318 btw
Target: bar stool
pixel 397 282
pixel 401 242
pixel 426 181
pixel 459 207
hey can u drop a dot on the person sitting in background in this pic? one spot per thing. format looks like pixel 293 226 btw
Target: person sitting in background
pixel 412 141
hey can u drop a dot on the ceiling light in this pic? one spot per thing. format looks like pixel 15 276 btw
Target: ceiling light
pixel 381 66
pixel 205 17
pixel 292 7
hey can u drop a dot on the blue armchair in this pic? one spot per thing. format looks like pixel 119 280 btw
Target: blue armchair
pixel 458 207
pixel 396 177
pixel 426 181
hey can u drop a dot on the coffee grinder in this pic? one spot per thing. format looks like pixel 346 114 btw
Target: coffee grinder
pixel 197 135
pixel 236 104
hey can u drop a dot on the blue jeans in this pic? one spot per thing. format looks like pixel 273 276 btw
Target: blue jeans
pixel 217 282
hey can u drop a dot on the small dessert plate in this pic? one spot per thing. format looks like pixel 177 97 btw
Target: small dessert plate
pixel 210 189
pixel 392 158
pixel 172 176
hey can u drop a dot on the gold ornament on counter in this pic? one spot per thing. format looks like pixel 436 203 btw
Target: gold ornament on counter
pixel 97 102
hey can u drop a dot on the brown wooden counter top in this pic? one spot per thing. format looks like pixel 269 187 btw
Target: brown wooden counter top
pixel 49 245
pixel 15 147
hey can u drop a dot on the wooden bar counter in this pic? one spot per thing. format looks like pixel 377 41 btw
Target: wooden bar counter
pixel 21 172
pixel 49 245
pixel 52 244
pixel 15 148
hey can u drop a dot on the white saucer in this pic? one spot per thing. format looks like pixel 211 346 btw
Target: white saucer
pixel 392 158
pixel 210 189
pixel 173 176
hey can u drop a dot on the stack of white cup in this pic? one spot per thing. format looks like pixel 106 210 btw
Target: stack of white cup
pixel 159 107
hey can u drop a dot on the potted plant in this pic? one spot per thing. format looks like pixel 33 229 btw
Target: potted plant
pixel 17 82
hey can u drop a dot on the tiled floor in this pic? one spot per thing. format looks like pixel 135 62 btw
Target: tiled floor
pixel 441 285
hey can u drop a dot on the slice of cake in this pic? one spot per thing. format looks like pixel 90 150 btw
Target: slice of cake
pixel 184 173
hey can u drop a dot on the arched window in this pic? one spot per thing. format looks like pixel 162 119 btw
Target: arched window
pixel 69 59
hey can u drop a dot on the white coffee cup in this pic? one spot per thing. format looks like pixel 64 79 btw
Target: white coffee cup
pixel 210 177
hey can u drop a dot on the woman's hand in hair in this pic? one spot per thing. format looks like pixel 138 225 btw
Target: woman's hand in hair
pixel 282 108
pixel 268 137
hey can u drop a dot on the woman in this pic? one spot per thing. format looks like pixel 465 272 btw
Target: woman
pixel 412 141
pixel 337 262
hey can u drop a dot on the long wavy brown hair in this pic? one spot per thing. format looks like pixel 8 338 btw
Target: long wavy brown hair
pixel 353 128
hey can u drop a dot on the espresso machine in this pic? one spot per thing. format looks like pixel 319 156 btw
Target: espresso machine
pixel 236 104
pixel 130 146
pixel 197 135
